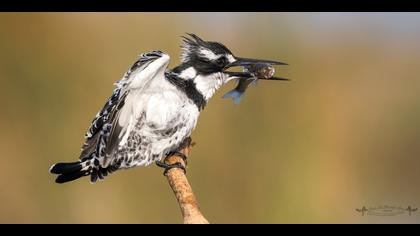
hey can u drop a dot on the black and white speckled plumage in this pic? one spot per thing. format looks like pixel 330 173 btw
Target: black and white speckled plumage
pixel 150 112
pixel 100 153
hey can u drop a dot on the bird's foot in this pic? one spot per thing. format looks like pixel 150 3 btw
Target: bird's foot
pixel 179 165
pixel 180 154
pixel 170 166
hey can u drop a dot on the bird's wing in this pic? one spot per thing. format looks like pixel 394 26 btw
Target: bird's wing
pixel 115 118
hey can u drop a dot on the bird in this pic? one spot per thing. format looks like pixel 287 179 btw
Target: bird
pixel 153 110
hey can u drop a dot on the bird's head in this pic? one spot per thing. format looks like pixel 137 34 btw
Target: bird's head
pixel 204 56
pixel 207 63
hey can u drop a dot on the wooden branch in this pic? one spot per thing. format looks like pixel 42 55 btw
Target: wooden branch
pixel 182 189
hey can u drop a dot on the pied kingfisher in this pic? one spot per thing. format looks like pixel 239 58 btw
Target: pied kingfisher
pixel 153 110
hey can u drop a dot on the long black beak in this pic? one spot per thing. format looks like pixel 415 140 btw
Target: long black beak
pixel 246 62
pixel 240 61
pixel 249 75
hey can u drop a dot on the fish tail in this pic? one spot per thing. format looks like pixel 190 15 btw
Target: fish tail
pixel 235 95
pixel 254 82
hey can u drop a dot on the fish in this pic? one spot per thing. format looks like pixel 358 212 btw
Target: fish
pixel 258 71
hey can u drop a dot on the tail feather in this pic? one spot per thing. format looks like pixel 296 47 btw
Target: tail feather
pixel 70 171
pixel 62 168
pixel 100 173
pixel 94 176
pixel 64 178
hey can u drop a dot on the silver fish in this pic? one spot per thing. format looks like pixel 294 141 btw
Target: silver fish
pixel 258 71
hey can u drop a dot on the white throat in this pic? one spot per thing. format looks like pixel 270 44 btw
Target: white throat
pixel 207 85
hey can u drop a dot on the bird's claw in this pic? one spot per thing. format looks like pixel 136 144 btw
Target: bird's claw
pixel 170 166
pixel 179 165
pixel 180 154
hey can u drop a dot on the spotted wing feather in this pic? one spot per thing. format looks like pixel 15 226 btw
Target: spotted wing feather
pixel 103 135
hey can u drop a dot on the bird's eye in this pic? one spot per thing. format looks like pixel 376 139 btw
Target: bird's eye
pixel 221 61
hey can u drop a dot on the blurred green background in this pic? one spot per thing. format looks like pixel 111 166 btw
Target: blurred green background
pixel 342 134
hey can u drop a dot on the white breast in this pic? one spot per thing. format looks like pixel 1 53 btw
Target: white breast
pixel 159 108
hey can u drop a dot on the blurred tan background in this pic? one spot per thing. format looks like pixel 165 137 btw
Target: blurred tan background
pixel 342 134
